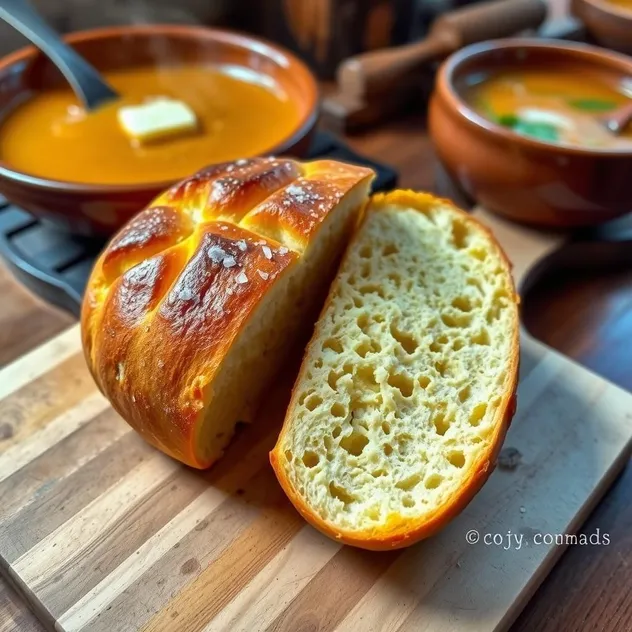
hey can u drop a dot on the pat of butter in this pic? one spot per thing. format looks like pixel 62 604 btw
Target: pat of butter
pixel 157 119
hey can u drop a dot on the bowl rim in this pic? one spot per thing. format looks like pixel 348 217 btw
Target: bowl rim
pixel 445 86
pixel 611 9
pixel 277 53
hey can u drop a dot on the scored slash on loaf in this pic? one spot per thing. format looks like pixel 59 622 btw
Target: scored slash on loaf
pixel 193 306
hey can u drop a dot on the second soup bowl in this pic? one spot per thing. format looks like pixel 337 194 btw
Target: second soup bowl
pixel 524 178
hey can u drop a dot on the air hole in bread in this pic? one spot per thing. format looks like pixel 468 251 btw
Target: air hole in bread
pixel 478 253
pixel 366 252
pixel 478 412
pixel 378 318
pixel 408 342
pixel 338 410
pixel 354 443
pixel 456 458
pixel 386 427
pixel 304 395
pixel 433 481
pixel 388 449
pixel 395 278
pixel 423 381
pixel 493 313
pixel 462 303
pixel 372 288
pixel 441 422
pixel 390 249
pixel 442 367
pixel 402 382
pixel 332 379
pixel 458 344
pixel 347 368
pixel 366 270
pixel 409 482
pixel 365 379
pixel 408 502
pixel 501 296
pixel 335 433
pixel 288 456
pixel 363 348
pixel 333 344
pixel 379 472
pixel 313 401
pixel 319 363
pixel 460 234
pixel 481 338
pixel 310 459
pixel 351 280
pixel 474 282
pixel 403 443
pixel 456 320
pixel 358 302
pixel 363 322
pixel 340 493
pixel 465 393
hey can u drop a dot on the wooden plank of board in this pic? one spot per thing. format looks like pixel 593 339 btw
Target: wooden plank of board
pixel 101 532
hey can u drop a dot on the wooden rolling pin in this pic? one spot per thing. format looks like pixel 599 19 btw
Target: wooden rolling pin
pixel 363 80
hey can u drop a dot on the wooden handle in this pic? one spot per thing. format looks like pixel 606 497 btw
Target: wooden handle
pixel 489 21
pixel 375 72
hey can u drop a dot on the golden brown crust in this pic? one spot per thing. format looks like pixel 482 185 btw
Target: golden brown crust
pixel 401 533
pixel 176 286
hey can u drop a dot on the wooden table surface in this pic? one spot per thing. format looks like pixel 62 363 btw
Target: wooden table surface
pixel 587 317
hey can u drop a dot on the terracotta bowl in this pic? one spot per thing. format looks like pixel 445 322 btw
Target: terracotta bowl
pixel 101 209
pixel 608 24
pixel 522 178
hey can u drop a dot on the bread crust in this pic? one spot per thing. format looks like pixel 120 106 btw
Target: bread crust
pixel 405 532
pixel 177 285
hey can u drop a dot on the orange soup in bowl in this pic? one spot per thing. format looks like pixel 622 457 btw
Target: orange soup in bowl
pixel 623 4
pixel 552 106
pixel 240 113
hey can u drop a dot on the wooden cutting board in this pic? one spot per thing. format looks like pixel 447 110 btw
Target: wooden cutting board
pixel 100 532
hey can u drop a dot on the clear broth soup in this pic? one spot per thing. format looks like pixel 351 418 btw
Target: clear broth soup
pixel 551 106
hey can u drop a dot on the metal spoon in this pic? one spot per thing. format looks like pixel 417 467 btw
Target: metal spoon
pixel 617 121
pixel 86 82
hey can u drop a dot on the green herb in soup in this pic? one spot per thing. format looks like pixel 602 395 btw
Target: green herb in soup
pixel 551 106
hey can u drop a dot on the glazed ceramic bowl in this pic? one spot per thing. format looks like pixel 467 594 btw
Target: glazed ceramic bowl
pixel 609 24
pixel 522 178
pixel 101 209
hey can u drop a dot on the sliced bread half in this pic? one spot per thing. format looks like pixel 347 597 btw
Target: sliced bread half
pixel 408 385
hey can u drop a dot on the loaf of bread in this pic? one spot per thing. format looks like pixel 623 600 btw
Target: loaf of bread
pixel 408 385
pixel 192 307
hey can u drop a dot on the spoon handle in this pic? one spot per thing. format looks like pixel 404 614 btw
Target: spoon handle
pixel 617 121
pixel 84 79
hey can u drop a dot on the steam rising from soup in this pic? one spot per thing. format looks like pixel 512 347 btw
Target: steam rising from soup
pixel 551 106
